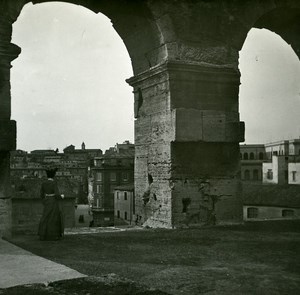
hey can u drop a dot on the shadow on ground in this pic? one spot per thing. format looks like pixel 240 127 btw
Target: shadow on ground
pixel 107 285
pixel 255 258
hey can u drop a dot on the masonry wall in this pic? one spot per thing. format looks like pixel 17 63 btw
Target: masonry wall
pixel 26 214
pixel 154 129
pixel 205 151
pixel 5 217
pixel 294 171
pixel 186 83
pixel 270 212
pixel 187 131
pixel 122 205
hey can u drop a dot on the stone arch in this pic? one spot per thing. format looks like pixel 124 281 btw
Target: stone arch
pixel 283 21
pixel 135 24
pixel 185 61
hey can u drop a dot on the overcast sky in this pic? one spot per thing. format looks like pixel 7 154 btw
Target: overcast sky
pixel 270 88
pixel 68 84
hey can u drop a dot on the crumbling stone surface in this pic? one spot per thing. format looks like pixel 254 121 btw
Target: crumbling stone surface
pixel 186 82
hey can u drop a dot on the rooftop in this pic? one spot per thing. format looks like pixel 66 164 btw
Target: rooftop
pixel 271 195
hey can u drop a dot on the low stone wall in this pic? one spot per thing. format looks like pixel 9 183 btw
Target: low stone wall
pixel 5 217
pixel 103 217
pixel 26 214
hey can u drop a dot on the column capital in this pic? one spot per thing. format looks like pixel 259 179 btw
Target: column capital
pixel 205 72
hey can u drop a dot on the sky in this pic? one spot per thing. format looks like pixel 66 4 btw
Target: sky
pixel 68 84
pixel 270 88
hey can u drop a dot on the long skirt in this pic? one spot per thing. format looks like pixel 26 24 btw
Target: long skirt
pixel 51 225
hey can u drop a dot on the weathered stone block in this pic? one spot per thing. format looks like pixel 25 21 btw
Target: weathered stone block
pixel 7 135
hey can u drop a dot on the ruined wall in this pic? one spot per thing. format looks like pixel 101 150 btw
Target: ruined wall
pixel 205 152
pixel 27 212
pixel 154 129
pixel 187 132
pixel 185 60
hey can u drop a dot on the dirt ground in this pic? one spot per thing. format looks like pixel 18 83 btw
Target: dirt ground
pixel 256 258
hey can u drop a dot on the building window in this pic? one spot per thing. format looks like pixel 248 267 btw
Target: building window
pixel 113 176
pixel 270 174
pixel 125 176
pixel 255 174
pixel 118 213
pixel 251 156
pixel 261 156
pixel 245 156
pixel 98 188
pixel 252 212
pixel 125 196
pixel 125 215
pixel 247 175
pixel 117 195
pixel 294 173
pixel 99 176
pixel 287 213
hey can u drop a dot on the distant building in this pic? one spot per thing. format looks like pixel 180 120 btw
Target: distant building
pixel 72 165
pixel 270 163
pixel 124 203
pixel 113 169
pixel 294 172
pixel 279 148
pixel 271 202
pixel 82 155
pixel 276 171
pixel 252 157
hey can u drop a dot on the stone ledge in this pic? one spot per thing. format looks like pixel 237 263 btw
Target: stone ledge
pixel 207 72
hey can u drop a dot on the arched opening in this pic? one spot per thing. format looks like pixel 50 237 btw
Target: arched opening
pixel 247 175
pixel 245 156
pixel 269 90
pixel 68 87
pixel 251 156
pixel 68 84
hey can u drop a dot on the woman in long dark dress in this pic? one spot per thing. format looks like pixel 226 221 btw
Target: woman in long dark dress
pixel 51 224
